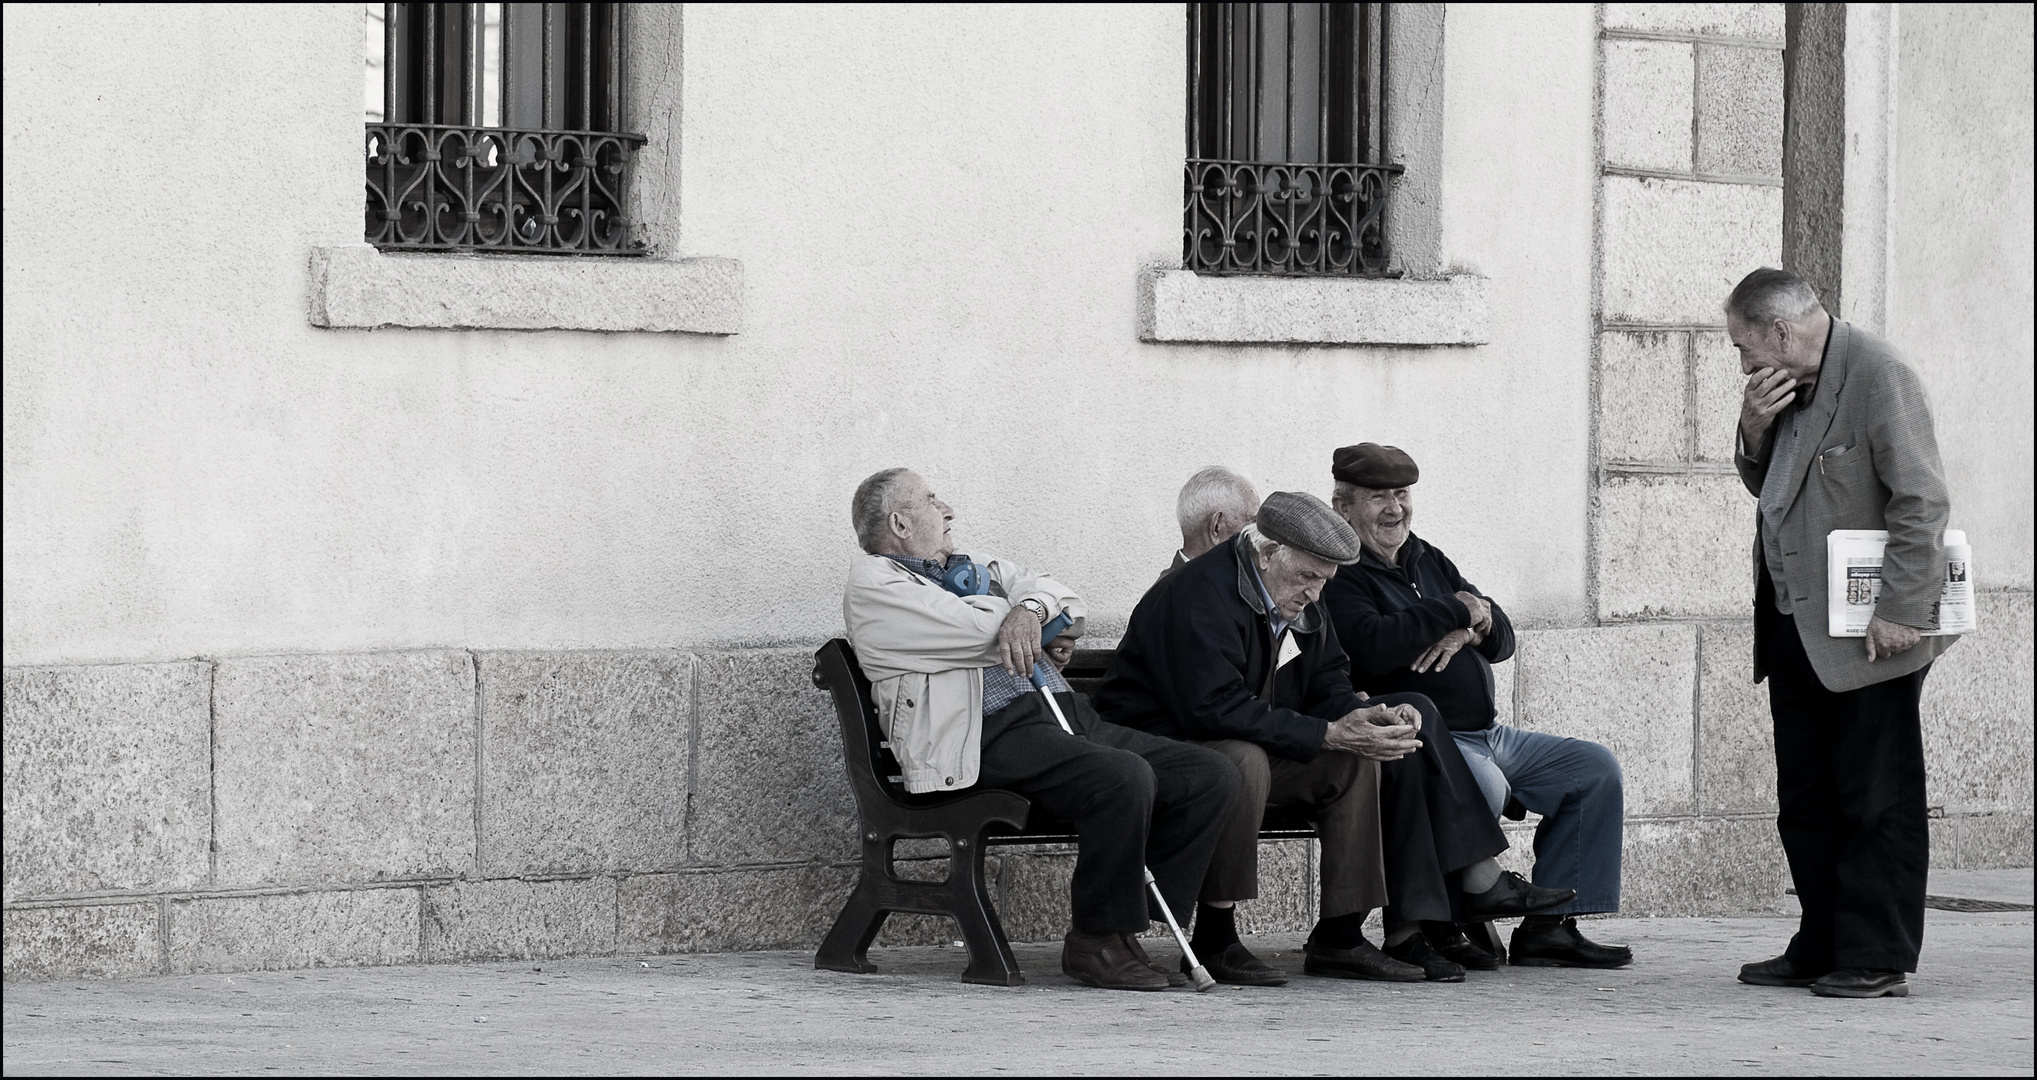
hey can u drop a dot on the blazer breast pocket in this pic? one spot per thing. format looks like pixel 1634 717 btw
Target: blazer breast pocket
pixel 1844 466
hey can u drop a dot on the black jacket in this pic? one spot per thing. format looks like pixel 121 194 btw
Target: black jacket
pixel 1194 661
pixel 1388 615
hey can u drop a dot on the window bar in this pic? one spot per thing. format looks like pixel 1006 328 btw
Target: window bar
pixel 1252 79
pixel 1226 147
pixel 586 66
pixel 431 67
pixel 1323 82
pixel 391 64
pixel 1357 82
pixel 547 46
pixel 470 79
pixel 1379 152
pixel 1287 121
pixel 613 44
pixel 1194 139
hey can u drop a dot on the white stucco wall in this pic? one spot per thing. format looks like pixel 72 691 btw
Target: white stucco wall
pixel 1960 297
pixel 940 221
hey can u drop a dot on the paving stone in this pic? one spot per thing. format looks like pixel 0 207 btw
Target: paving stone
pixel 1674 249
pixel 110 941
pixel 1995 840
pixel 724 910
pixel 1719 388
pixel 1977 712
pixel 1648 104
pixel 338 928
pixel 1675 547
pixel 1716 866
pixel 519 920
pixel 1739 111
pixel 1641 413
pixel 1761 22
pixel 349 767
pixel 108 778
pixel 584 761
pixel 1736 730
pixel 772 785
pixel 1626 687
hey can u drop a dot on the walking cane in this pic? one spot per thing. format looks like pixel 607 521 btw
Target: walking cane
pixel 1203 983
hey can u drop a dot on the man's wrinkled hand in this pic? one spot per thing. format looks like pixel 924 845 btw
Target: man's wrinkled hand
pixel 1768 392
pixel 1356 734
pixel 1481 611
pixel 1018 641
pixel 1445 647
pixel 1885 638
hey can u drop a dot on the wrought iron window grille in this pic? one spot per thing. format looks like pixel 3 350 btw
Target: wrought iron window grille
pixel 1286 129
pixel 531 161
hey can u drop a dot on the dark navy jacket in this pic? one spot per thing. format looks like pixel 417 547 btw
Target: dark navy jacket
pixel 1194 661
pixel 1388 615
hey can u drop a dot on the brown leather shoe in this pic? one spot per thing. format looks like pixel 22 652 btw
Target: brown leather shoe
pixel 1139 951
pixel 1103 960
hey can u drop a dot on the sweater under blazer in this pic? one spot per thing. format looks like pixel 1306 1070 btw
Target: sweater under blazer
pixel 924 650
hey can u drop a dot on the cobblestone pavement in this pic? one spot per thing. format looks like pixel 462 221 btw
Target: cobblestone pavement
pixel 1677 1010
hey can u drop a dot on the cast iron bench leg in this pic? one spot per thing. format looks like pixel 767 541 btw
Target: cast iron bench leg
pixel 990 960
pixel 848 942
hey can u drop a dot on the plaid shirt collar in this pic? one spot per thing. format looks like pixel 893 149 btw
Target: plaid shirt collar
pixel 931 569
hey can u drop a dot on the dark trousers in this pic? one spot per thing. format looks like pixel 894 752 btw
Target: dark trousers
pixel 1138 801
pixel 1434 819
pixel 1850 785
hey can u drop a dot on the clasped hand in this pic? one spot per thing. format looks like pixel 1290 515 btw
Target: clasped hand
pixel 1018 640
pixel 1438 656
pixel 1379 732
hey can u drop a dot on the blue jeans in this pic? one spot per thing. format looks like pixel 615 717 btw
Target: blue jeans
pixel 1575 785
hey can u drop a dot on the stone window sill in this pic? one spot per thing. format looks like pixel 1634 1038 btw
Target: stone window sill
pixel 1177 305
pixel 355 286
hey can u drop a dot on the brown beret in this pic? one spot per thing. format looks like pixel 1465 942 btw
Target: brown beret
pixel 1371 465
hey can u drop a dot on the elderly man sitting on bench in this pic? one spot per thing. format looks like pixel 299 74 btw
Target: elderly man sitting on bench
pixel 951 677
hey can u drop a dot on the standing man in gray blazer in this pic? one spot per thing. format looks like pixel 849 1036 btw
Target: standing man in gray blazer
pixel 1835 434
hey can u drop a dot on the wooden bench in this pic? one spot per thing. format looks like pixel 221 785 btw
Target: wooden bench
pixel 970 821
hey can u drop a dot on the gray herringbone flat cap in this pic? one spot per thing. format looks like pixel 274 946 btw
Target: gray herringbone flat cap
pixel 1301 520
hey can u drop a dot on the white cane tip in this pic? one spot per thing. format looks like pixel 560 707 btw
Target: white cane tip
pixel 1203 983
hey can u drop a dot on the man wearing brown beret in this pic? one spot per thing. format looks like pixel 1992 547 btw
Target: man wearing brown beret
pixel 1231 650
pixel 1412 624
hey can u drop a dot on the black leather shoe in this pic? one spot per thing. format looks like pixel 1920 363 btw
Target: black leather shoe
pixel 1778 972
pixel 1435 966
pixel 1562 946
pixel 1511 897
pixel 1237 966
pixel 1359 962
pixel 1862 983
pixel 1102 960
pixel 1138 952
pixel 1458 949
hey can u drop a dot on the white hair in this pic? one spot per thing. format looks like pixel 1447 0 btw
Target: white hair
pixel 1210 491
pixel 1769 294
pixel 870 509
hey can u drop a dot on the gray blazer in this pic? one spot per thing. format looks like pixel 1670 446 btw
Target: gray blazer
pixel 1868 460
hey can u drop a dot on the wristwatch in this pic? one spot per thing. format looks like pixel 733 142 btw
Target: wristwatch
pixel 1038 609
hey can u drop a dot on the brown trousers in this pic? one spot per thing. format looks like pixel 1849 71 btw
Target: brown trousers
pixel 1341 793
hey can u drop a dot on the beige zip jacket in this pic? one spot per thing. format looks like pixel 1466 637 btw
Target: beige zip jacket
pixel 924 650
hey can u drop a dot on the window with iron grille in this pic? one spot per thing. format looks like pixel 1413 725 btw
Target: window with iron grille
pixel 500 130
pixel 1286 139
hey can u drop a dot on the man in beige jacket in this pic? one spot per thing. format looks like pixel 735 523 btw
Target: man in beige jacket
pixel 1835 433
pixel 951 676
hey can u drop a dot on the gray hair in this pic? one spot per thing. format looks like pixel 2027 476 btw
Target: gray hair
pixel 1346 491
pixel 1210 490
pixel 870 509
pixel 1769 294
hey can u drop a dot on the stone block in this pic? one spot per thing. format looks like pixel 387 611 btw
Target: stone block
pixel 1945 843
pixel 1641 413
pixel 730 910
pixel 1503 676
pixel 110 941
pixel 1179 305
pixel 1648 104
pixel 1736 732
pixel 350 767
pixel 1288 899
pixel 584 761
pixel 1995 841
pixel 1977 712
pixel 108 778
pixel 1626 687
pixel 1674 547
pixel 1715 866
pixel 1719 387
pixel 1759 22
pixel 1031 891
pixel 769 763
pixel 1739 111
pixel 519 920
pixel 1674 249
pixel 341 928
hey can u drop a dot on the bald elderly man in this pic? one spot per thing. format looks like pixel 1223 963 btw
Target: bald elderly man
pixel 1412 624
pixel 950 676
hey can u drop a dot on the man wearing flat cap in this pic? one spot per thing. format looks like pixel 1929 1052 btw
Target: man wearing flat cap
pixel 1231 650
pixel 1412 624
